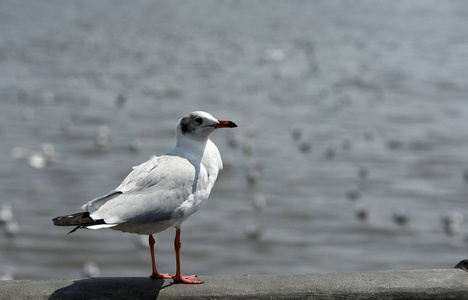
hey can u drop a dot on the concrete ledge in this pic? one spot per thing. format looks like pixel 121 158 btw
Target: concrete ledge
pixel 398 284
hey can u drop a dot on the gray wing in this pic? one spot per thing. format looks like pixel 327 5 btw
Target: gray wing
pixel 150 193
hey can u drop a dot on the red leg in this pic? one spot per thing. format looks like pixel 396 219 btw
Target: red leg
pixel 155 274
pixel 178 276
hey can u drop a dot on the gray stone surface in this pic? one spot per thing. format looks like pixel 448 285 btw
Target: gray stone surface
pixel 398 284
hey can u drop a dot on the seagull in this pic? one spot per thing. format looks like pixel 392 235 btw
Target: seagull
pixel 162 192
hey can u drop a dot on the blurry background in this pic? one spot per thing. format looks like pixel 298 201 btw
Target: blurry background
pixel 351 151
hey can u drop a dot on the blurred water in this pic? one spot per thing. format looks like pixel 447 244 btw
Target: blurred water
pixel 375 95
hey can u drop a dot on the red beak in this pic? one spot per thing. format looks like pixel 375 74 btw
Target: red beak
pixel 224 124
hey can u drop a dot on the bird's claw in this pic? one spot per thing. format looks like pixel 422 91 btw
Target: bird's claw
pixel 161 276
pixel 187 279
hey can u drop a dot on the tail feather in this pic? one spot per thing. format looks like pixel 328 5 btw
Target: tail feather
pixel 80 220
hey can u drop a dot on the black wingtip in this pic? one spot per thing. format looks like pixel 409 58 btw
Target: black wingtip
pixel 75 229
pixel 79 220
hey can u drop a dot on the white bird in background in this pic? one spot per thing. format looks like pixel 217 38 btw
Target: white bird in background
pixel 162 192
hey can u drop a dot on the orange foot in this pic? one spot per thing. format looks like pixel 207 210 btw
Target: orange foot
pixel 186 279
pixel 161 276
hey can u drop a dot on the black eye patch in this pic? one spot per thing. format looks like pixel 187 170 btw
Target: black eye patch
pixel 185 126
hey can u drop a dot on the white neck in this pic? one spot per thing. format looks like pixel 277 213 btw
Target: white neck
pixel 194 145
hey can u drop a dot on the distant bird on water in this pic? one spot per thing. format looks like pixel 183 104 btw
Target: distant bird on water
pixel 162 192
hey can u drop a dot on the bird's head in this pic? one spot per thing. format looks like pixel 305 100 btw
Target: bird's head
pixel 198 125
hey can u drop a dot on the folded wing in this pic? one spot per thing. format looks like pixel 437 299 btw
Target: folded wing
pixel 150 193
